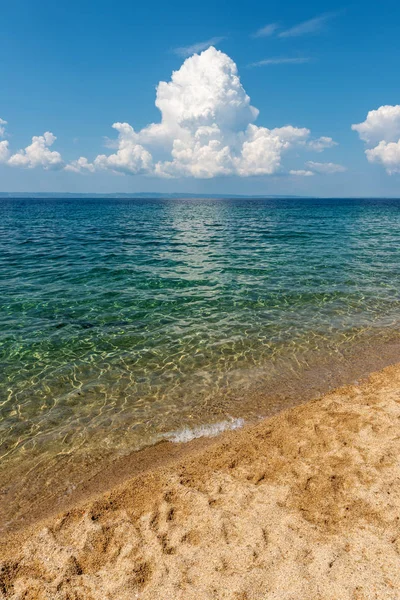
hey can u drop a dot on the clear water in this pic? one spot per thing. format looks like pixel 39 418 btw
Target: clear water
pixel 122 321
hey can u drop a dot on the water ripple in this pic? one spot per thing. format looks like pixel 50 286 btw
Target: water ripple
pixel 122 320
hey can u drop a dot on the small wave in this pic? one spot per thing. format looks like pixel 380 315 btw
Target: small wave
pixel 186 434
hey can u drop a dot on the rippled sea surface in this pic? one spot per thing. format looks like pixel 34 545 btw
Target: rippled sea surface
pixel 122 321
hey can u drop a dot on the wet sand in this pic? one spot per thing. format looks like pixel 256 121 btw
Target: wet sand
pixel 304 505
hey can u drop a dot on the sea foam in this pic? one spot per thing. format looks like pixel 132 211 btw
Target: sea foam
pixel 186 434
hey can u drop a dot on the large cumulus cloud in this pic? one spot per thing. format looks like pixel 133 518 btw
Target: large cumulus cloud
pixel 206 129
pixel 381 133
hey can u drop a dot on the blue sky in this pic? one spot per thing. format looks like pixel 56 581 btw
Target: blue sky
pixel 74 69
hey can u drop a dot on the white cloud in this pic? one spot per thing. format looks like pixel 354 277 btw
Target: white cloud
pixel 311 26
pixel 321 143
pixel 198 47
pixel 281 61
pixel 4 151
pixel 130 158
pixel 301 173
pixel 207 129
pixel 381 129
pixel 262 151
pixel 206 90
pixel 381 124
pixel 266 31
pixel 38 154
pixel 328 168
pixel 80 165
pixel 3 124
pixel 387 154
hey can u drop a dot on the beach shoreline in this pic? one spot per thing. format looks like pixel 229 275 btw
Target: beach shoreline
pixel 48 489
pixel 303 504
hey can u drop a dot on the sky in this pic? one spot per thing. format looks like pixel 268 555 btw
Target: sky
pixel 211 97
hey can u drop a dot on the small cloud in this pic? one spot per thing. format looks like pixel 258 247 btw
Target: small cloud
pixel 2 127
pixel 196 48
pixel 38 154
pixel 311 26
pixel 325 168
pixel 281 61
pixel 387 154
pixel 380 124
pixel 4 151
pixel 321 143
pixel 381 129
pixel 266 31
pixel 301 173
pixel 82 165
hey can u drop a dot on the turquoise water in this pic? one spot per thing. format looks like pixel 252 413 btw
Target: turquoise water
pixel 122 321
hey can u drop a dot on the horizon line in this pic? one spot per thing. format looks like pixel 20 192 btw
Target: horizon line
pixel 182 195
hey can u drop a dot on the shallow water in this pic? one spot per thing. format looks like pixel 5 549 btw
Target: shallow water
pixel 124 321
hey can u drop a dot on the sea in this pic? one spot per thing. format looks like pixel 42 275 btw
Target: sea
pixel 126 322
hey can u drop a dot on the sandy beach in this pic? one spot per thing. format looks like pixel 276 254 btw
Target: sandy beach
pixel 304 505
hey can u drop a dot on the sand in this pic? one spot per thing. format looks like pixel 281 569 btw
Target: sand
pixel 304 505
